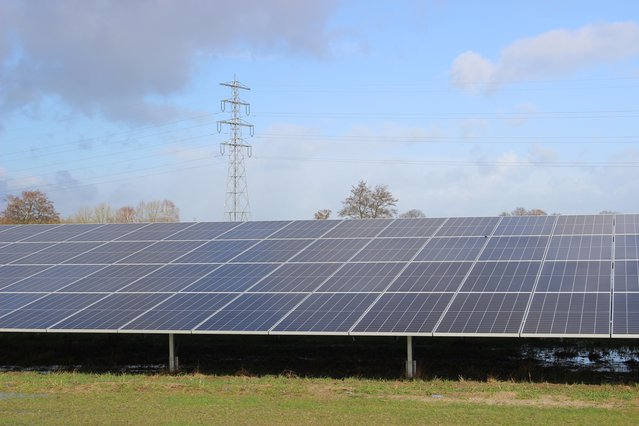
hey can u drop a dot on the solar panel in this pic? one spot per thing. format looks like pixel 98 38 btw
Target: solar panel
pixel 421 227
pixel 468 227
pixel 362 277
pixel 255 312
pixel 529 276
pixel 568 314
pixel 331 250
pixel 452 249
pixel 501 277
pixel 62 233
pixel 273 251
pixel 580 247
pixel 515 248
pixel 296 277
pixel 525 225
pixel 627 276
pixel 53 278
pixel 326 313
pixel 253 230
pixel 181 312
pixel 574 276
pixel 403 313
pixel 627 224
pixel 484 313
pixel 111 312
pixel 232 278
pixel 390 249
pixel 171 278
pixel 627 247
pixel 584 224
pixel 431 277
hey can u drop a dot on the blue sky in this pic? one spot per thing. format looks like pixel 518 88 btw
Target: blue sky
pixel 462 108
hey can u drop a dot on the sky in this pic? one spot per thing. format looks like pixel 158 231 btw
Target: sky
pixel 461 108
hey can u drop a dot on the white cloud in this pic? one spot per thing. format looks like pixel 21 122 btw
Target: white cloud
pixel 548 55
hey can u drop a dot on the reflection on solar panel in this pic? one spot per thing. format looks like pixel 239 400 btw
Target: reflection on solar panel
pixel 499 276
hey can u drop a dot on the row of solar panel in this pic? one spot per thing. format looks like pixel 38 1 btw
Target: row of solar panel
pixel 560 276
pixel 427 227
pixel 389 313
pixel 583 247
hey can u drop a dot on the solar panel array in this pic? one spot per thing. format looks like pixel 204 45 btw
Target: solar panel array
pixel 485 276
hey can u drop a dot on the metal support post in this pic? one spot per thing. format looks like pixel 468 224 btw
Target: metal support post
pixel 171 353
pixel 410 364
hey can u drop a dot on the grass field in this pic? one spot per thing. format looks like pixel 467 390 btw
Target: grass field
pixel 81 398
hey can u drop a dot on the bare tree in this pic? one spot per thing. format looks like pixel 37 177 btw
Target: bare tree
pixel 103 213
pixel 522 211
pixel 412 214
pixel 323 214
pixel 124 214
pixel 365 202
pixel 83 215
pixel 157 211
pixel 31 207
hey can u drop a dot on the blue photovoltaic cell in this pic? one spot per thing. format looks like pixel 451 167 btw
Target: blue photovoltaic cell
pixel 56 253
pixel 109 232
pixel 10 274
pixel 111 312
pixel 171 278
pixel 627 224
pixel 252 312
pixel 203 231
pixel 468 227
pixel 515 248
pixel 232 278
pixel 421 227
pixel 502 277
pixel 580 247
pixel 331 250
pixel 110 279
pixel 162 252
pixel 155 231
pixel 13 252
pixel 62 233
pixel 627 247
pixel 575 277
pixel 390 249
pixel 431 277
pixel 12 301
pixel 253 230
pixel 181 312
pixel 365 228
pixel 273 251
pixel 21 232
pixel 327 312
pixel 4 228
pixel 627 276
pixel 296 277
pixel 484 313
pixel 525 225
pixel 404 313
pixel 53 279
pixel 306 229
pixel 48 310
pixel 109 252
pixel 625 315
pixel 585 224
pixel 362 277
pixel 568 314
pixel 216 252
pixel 449 249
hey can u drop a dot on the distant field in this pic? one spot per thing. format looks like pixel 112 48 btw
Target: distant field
pixel 79 398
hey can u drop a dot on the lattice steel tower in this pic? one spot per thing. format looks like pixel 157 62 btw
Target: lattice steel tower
pixel 236 206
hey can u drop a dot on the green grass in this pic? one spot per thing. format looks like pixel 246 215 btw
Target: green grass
pixel 81 398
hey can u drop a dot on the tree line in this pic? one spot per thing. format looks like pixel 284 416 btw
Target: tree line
pixel 36 207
